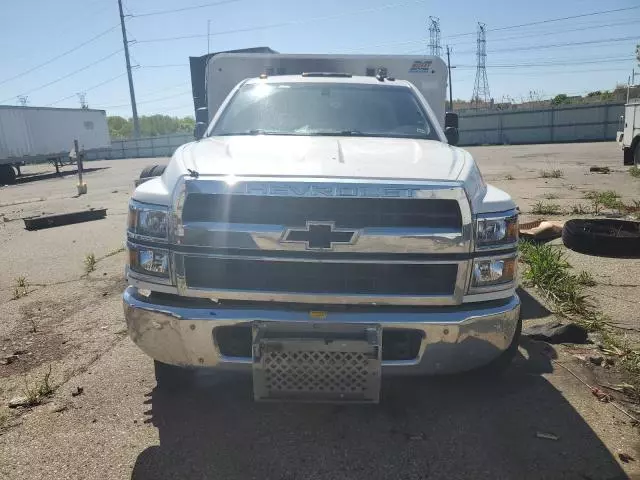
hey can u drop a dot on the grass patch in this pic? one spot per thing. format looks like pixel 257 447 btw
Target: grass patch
pixel 20 288
pixel 579 209
pixel 544 208
pixel 550 196
pixel 556 173
pixel 90 263
pixel 549 272
pixel 40 389
pixel 634 172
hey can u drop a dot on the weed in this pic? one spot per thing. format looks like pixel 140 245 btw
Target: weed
pixel 634 171
pixel 579 209
pixel 543 208
pixel 549 271
pixel 509 177
pixel 113 252
pixel 550 196
pixel 21 288
pixel 572 187
pixel 556 173
pixel 586 279
pixel 606 199
pixel 90 263
pixel 40 390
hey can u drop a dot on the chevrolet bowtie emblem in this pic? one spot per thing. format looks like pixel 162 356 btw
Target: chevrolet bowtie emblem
pixel 320 236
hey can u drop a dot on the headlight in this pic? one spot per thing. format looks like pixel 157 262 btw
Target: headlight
pixel 496 230
pixel 151 261
pixel 493 272
pixel 148 220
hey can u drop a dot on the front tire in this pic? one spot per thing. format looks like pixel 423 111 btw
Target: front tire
pixel 636 155
pixel 173 378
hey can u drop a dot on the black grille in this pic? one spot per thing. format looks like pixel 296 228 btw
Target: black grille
pixel 345 212
pixel 320 278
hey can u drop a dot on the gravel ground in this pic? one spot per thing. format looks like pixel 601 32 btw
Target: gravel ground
pixel 120 426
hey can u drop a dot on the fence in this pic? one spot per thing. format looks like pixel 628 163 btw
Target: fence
pixel 163 146
pixel 584 123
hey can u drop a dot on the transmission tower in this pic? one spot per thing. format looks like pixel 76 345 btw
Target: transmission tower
pixel 481 92
pixel 82 96
pixel 23 100
pixel 435 48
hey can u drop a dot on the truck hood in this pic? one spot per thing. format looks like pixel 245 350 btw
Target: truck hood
pixel 304 156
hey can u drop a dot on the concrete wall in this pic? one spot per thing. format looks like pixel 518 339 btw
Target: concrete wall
pixel 584 123
pixel 163 146
pixel 574 123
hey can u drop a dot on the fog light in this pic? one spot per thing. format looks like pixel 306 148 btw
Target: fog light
pixel 493 272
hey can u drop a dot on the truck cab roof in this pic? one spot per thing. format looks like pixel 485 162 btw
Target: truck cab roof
pixel 327 78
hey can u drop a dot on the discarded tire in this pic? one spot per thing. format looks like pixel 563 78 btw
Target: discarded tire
pixel 611 238
pixel 157 170
pixel 7 175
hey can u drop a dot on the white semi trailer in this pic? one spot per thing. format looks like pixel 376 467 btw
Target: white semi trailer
pixel 40 134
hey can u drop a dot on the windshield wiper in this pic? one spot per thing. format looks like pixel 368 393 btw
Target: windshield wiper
pixel 256 131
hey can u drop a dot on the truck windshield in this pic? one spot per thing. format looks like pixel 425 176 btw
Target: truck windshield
pixel 325 109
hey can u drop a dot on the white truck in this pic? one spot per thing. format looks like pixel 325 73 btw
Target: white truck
pixel 323 233
pixel 629 136
pixel 41 134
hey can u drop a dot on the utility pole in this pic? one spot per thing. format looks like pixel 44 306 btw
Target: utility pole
pixel 132 93
pixel 450 86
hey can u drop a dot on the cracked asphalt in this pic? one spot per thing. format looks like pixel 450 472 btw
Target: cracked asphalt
pixel 538 422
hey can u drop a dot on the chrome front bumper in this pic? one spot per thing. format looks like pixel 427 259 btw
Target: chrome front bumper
pixel 454 338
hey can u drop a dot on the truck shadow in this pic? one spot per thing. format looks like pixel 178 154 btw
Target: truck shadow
pixel 453 427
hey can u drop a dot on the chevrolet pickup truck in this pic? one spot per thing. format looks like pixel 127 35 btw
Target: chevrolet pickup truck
pixel 322 234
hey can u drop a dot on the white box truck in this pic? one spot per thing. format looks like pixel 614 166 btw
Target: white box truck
pixel 40 134
pixel 322 234
pixel 629 137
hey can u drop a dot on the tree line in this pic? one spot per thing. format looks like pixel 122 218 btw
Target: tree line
pixel 150 126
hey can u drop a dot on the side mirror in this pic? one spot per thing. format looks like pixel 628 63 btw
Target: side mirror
pixel 452 135
pixel 451 120
pixel 200 130
pixel 202 115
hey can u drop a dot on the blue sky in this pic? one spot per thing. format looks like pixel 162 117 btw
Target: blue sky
pixel 40 30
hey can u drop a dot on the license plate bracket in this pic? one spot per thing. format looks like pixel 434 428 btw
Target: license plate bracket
pixel 317 362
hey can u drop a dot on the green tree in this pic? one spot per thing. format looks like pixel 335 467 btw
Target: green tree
pixel 560 99
pixel 150 126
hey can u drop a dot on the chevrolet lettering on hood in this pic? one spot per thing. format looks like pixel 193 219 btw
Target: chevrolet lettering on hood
pixel 322 190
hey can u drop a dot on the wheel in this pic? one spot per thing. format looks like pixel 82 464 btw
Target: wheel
pixel 636 155
pixel 7 175
pixel 152 171
pixel 501 364
pixel 146 172
pixel 173 377
pixel 157 170
pixel 606 237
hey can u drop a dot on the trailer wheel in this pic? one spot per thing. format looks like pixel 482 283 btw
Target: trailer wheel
pixel 607 237
pixel 7 175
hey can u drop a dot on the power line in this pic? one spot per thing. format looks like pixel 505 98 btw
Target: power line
pixel 184 9
pixel 153 100
pixel 554 63
pixel 70 74
pixel 549 20
pixel 284 24
pixel 51 60
pixel 86 89
pixel 554 45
